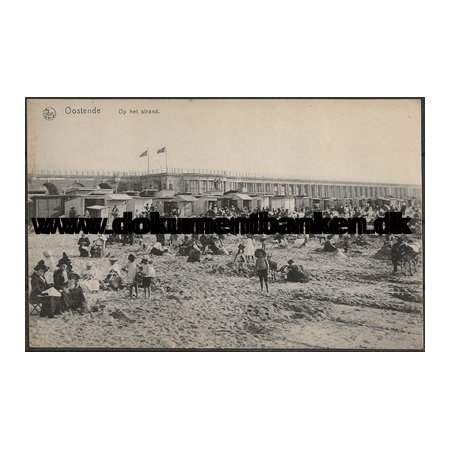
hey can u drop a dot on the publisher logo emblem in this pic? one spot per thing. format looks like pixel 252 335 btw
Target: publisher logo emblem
pixel 49 113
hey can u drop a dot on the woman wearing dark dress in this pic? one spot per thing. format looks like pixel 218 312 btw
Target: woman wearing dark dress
pixel 73 297
pixel 50 305
pixel 83 246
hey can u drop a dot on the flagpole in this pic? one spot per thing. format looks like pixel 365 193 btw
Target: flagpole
pixel 148 168
pixel 167 172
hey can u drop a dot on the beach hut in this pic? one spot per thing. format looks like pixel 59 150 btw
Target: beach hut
pixel 260 201
pixel 98 211
pixel 185 203
pixel 47 205
pixel 303 202
pixel 236 199
pixel 204 203
pixel 138 203
pixel 117 200
pixel 282 202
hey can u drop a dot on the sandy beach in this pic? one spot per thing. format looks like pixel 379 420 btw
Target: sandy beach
pixel 351 302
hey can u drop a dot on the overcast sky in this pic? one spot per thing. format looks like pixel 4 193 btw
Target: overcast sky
pixel 352 140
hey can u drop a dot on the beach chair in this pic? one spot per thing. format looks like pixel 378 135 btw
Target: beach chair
pixel 35 306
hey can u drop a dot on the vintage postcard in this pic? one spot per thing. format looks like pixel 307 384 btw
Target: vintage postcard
pixel 224 224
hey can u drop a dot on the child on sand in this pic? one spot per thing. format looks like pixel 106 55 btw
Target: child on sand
pixel 148 274
pixel 262 267
pixel 131 270
pixel 249 250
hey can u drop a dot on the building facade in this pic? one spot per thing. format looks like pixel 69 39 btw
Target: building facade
pixel 216 187
pixel 217 182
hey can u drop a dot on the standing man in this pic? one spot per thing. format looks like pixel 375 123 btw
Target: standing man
pixel 396 254
pixel 115 212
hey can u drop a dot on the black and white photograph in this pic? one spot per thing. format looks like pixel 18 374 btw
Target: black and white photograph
pixel 339 181
pixel 224 225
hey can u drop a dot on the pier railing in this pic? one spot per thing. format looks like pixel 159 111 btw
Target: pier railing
pixel 45 173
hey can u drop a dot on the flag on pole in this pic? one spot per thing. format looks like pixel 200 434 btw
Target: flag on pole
pixel 143 154
pixel 161 150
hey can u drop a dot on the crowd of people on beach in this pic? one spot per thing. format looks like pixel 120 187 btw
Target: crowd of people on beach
pixel 368 210
pixel 57 288
pixel 71 291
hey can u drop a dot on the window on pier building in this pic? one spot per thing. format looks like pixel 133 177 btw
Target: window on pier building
pixel 195 187
pixel 267 188
pixel 283 189
pixel 275 189
pixel 204 186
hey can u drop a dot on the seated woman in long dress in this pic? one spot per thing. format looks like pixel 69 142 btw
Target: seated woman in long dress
pixel 49 306
pixel 97 248
pixel 89 279
pixel 113 279
pixel 73 296
pixel 83 246
pixel 61 276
